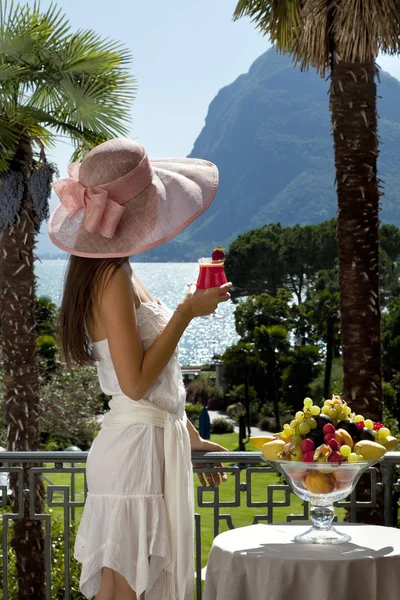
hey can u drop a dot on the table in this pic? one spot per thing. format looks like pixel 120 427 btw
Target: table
pixel 262 562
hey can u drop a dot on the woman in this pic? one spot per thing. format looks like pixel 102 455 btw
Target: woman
pixel 135 538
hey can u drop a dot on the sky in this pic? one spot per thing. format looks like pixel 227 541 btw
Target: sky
pixel 184 52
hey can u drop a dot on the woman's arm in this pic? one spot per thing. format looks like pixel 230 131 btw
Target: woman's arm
pixel 137 370
pixel 197 444
pixel 195 439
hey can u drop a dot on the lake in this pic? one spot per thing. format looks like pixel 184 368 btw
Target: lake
pixel 203 338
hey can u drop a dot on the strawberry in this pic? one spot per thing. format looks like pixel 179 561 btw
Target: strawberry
pixel 218 253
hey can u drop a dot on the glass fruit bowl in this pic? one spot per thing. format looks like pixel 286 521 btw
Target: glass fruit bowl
pixel 321 484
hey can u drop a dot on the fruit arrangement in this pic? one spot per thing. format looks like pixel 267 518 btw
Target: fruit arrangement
pixel 333 435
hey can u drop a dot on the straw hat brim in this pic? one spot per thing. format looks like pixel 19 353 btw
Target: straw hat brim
pixel 180 191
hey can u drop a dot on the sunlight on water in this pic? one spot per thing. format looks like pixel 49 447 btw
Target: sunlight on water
pixel 167 281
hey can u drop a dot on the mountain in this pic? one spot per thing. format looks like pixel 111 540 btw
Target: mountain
pixel 269 133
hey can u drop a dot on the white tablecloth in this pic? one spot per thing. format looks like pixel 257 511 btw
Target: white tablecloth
pixel 262 562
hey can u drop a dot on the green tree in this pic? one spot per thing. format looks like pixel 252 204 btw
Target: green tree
pixel 272 346
pixel 345 38
pixel 255 260
pixel 303 366
pixel 391 347
pixel 262 310
pixel 274 257
pixel 52 83
pixel 306 250
pixel 323 305
pixel 241 368
pixel 389 275
pixel 389 237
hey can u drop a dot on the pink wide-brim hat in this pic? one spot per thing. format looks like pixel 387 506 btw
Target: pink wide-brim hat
pixel 117 202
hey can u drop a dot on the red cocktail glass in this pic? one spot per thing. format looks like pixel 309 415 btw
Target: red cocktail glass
pixel 212 274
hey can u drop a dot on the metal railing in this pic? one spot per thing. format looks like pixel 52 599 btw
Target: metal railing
pixel 242 467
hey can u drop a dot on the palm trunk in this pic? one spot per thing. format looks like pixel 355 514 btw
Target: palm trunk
pixel 329 356
pixel 21 383
pixel 354 119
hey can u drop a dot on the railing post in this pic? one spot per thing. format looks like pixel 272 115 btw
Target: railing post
pixel 387 470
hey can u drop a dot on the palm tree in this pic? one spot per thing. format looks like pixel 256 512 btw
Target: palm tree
pixel 344 37
pixel 52 83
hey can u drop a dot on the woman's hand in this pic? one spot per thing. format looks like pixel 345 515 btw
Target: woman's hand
pixel 214 479
pixel 199 303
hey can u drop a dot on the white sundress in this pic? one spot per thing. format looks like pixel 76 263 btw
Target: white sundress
pixel 125 523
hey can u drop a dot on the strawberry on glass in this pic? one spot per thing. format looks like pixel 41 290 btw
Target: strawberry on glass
pixel 212 273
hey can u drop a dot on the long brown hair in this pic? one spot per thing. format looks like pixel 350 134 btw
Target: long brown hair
pixel 83 286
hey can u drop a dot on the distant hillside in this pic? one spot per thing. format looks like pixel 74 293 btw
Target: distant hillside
pixel 269 134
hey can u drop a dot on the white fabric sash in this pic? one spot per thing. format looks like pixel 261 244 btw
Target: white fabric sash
pixel 178 481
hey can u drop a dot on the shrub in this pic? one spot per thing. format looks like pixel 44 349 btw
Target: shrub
pixel 285 412
pixel 222 425
pixel 47 349
pixel 193 413
pixel 204 392
pixel 234 411
pixel 57 566
pixel 69 404
pixel 46 314
pixel 267 424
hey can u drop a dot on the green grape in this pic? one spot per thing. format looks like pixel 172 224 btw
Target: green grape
pixel 296 440
pixel 304 428
pixel 328 403
pixel 308 403
pixel 332 413
pixel 293 424
pixel 325 410
pixel 338 407
pixel 286 433
pixel 358 418
pixel 369 424
pixel 384 432
pixel 315 410
pixel 345 450
pixel 347 410
pixel 299 416
pixel 352 457
pixel 341 416
pixel 312 423
pixel 286 426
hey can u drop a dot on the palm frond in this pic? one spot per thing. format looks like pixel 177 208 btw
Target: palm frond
pixel 93 105
pixel 54 82
pixel 313 46
pixel 10 72
pixel 355 30
pixel 9 137
pixel 27 34
pixel 280 20
pixel 361 29
pixel 86 52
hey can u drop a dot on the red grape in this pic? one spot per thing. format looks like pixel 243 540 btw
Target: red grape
pixel 335 457
pixel 328 428
pixel 308 457
pixel 307 445
pixel 334 444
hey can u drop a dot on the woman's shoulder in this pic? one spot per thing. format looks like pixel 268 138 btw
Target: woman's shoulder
pixel 117 289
